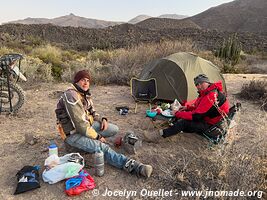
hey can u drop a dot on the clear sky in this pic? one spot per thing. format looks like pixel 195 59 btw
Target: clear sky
pixel 111 10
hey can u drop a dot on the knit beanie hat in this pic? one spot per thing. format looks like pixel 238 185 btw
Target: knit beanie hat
pixel 81 74
pixel 201 78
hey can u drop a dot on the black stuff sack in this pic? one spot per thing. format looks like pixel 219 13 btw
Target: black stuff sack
pixel 28 179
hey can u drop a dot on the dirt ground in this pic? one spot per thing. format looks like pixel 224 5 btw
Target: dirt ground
pixel 181 162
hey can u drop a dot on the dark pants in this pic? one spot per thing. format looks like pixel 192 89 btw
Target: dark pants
pixel 186 126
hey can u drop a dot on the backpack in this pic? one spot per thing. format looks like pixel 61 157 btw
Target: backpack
pixel 218 131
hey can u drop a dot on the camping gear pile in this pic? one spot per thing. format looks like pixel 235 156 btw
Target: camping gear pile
pixel 68 167
pixel 164 109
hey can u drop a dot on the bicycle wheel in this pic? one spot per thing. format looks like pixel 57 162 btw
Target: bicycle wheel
pixel 16 94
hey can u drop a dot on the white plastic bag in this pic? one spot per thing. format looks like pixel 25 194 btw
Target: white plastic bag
pixel 52 161
pixel 68 166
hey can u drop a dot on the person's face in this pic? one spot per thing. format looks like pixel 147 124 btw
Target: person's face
pixel 84 84
pixel 202 86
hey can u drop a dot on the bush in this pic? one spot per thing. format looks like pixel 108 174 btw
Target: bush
pixel 34 40
pixel 35 69
pixel 71 55
pixel 255 91
pixel 50 55
pixel 104 57
pixel 71 67
pixel 128 63
pixel 5 50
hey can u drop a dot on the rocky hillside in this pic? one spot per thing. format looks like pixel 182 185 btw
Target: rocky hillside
pixel 68 20
pixel 236 16
pixel 166 23
pixel 121 36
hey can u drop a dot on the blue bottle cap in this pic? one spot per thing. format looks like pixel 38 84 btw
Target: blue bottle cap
pixel 52 146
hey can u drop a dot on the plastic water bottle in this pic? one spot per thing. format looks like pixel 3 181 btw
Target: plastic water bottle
pixel 99 162
pixel 53 150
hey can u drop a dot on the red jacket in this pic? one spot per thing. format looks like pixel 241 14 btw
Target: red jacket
pixel 210 106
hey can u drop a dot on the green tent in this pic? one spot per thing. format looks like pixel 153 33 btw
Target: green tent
pixel 175 73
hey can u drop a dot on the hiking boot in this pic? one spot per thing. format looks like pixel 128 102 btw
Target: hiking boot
pixel 153 136
pixel 137 168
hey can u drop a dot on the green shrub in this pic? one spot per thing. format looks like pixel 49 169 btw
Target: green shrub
pixel 5 50
pixel 50 55
pixel 34 40
pixel 71 55
pixel 230 50
pixel 36 70
pixel 102 56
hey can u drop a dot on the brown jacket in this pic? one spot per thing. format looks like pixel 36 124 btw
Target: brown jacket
pixel 76 113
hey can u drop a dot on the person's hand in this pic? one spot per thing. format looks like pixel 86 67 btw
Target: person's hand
pixel 104 125
pixel 173 112
pixel 102 139
pixel 182 108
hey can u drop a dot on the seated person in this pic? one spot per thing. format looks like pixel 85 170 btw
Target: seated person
pixel 208 109
pixel 86 130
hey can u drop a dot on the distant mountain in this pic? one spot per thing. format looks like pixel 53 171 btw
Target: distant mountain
pixel 139 18
pixel 30 20
pixel 236 16
pixel 173 16
pixel 165 23
pixel 76 21
pixel 69 20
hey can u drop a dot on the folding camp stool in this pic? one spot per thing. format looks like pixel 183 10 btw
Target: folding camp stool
pixel 143 91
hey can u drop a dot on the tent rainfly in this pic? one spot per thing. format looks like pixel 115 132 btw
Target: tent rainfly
pixel 175 75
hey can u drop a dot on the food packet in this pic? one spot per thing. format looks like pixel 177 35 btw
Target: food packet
pixel 175 105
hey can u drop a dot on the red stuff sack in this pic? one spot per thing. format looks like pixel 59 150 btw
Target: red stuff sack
pixel 78 184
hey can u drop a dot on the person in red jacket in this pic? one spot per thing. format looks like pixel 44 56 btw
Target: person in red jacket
pixel 208 109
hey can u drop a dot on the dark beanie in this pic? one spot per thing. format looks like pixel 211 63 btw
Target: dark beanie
pixel 201 78
pixel 81 74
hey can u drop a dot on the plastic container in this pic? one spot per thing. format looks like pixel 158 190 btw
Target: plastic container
pixel 151 113
pixel 99 163
pixel 53 150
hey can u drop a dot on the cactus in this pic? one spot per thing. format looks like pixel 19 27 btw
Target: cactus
pixel 230 50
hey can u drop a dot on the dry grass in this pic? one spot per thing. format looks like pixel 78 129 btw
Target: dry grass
pixel 255 91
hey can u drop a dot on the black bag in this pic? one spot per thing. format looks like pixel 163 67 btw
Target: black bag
pixel 217 130
pixel 28 179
